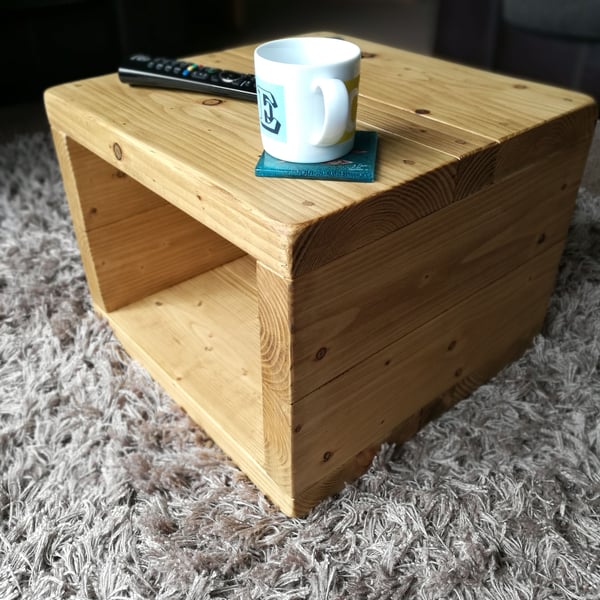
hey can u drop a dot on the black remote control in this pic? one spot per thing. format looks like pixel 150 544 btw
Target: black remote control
pixel 141 69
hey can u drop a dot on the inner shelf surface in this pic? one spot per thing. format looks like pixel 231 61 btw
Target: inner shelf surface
pixel 200 340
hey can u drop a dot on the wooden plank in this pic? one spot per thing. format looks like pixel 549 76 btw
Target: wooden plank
pixel 277 362
pixel 68 166
pixel 149 251
pixel 202 337
pixel 482 102
pixel 358 464
pixel 455 141
pixel 106 194
pixel 135 243
pixel 354 306
pixel 366 404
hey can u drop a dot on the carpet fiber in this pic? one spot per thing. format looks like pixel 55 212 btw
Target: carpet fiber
pixel 108 491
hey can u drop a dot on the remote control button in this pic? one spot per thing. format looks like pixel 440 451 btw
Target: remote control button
pixel 189 68
pixel 230 76
pixel 200 75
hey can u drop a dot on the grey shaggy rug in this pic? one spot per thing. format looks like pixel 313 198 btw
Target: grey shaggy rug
pixel 108 491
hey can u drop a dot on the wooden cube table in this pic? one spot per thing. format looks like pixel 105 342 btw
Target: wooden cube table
pixel 302 323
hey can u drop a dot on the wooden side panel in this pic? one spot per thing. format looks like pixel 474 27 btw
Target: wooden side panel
pixel 359 463
pixel 135 242
pixel 276 328
pixel 68 163
pixel 106 194
pixel 368 403
pixel 152 250
pixel 356 305
pixel 568 131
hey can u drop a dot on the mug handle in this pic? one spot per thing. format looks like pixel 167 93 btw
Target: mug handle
pixel 337 111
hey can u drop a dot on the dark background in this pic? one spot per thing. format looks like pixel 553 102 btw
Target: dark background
pixel 46 42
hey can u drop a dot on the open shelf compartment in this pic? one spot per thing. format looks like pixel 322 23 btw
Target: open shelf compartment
pixel 181 299
pixel 200 340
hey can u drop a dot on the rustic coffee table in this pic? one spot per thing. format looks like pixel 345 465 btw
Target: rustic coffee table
pixel 302 323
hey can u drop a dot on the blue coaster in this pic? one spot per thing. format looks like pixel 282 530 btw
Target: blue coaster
pixel 357 165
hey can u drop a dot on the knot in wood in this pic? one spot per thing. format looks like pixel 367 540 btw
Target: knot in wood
pixel 321 352
pixel 117 151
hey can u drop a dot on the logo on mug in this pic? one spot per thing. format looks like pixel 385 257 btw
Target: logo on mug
pixel 271 110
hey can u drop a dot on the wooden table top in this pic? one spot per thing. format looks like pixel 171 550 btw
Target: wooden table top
pixel 445 132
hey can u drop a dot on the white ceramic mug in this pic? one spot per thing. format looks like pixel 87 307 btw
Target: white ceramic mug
pixel 307 91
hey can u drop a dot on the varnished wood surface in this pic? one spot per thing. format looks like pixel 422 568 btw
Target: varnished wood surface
pixel 392 384
pixel 201 151
pixel 301 323
pixel 349 308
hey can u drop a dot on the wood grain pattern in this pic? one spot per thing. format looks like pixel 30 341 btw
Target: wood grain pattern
pixel 382 391
pixel 367 299
pixel 67 164
pixel 377 216
pixel 535 144
pixel 106 194
pixel 455 141
pixel 137 242
pixel 276 328
pixel 301 323
pixel 177 144
pixel 359 463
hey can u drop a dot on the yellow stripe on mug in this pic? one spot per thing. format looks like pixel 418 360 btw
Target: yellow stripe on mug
pixel 352 87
